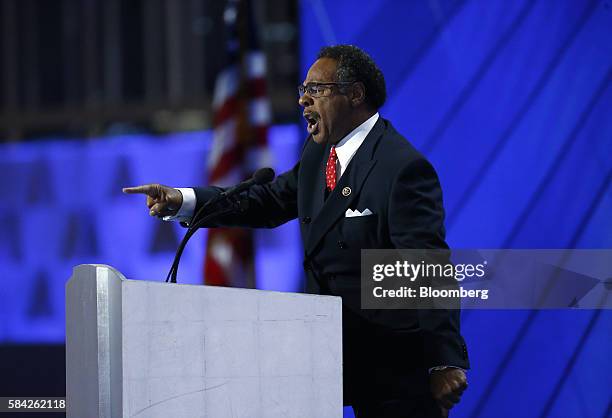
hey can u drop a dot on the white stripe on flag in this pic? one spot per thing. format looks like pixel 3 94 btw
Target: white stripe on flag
pixel 226 86
pixel 256 64
pixel 222 251
pixel 260 112
pixel 224 138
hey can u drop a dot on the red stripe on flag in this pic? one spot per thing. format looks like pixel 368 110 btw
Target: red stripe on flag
pixel 256 87
pixel 240 244
pixel 227 111
pixel 228 161
pixel 215 276
pixel 260 135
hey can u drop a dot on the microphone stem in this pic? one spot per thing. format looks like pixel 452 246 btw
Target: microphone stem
pixel 171 277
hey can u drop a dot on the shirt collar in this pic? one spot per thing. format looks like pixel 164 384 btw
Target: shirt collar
pixel 348 146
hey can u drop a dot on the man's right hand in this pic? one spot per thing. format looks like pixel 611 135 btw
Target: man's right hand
pixel 161 200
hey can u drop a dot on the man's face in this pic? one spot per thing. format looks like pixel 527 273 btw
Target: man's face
pixel 328 116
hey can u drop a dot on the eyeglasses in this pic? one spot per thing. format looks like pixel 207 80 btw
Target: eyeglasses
pixel 320 89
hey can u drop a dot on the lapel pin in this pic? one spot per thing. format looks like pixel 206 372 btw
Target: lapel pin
pixel 346 191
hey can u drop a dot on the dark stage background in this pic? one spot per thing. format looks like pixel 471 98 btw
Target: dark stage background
pixel 511 100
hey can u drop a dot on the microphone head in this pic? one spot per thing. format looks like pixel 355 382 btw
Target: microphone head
pixel 263 175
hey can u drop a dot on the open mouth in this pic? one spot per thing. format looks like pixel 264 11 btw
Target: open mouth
pixel 312 120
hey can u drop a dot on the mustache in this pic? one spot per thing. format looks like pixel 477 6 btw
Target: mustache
pixel 312 115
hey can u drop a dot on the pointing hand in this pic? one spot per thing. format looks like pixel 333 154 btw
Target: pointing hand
pixel 161 200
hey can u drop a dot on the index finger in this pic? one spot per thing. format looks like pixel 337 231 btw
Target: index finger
pixel 147 189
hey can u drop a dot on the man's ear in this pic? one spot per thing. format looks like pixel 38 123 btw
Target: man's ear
pixel 358 96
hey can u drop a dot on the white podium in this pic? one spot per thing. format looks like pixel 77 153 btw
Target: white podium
pixel 150 349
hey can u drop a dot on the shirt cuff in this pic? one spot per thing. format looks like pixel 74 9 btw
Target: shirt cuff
pixel 185 212
pixel 444 367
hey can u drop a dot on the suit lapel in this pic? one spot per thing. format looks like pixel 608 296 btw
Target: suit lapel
pixel 338 201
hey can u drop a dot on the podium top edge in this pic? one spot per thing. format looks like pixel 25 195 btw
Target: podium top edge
pixel 84 269
pixel 92 270
pixel 228 289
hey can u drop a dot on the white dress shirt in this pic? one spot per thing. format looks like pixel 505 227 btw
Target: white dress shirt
pixel 348 146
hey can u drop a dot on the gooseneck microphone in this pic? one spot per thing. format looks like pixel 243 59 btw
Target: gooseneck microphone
pixel 222 204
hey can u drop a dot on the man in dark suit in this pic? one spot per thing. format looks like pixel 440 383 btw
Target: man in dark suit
pixel 358 184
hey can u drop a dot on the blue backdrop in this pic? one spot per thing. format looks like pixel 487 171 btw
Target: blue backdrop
pixel 63 206
pixel 512 102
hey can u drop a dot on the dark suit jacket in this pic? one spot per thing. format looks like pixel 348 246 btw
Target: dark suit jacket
pixel 391 178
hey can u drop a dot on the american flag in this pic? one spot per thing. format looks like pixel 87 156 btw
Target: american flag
pixel 240 141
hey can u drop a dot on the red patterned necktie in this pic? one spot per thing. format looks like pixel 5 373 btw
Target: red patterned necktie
pixel 330 169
